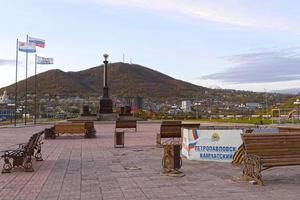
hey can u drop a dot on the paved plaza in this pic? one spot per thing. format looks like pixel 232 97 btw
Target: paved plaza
pixel 78 168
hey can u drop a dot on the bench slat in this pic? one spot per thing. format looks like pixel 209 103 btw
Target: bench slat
pixel 280 156
pixel 281 164
pixel 272 143
pixel 270 134
pixel 275 160
pixel 265 154
pixel 70 128
pixel 269 151
pixel 126 124
pixel 282 141
pixel 272 146
pixel 260 140
pixel 271 138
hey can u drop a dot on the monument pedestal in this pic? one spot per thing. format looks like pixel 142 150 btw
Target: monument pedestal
pixel 105 106
pixel 107 116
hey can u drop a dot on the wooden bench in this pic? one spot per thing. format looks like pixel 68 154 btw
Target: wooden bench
pixel 85 128
pixel 89 125
pixel 126 124
pixel 287 129
pixel 169 129
pixel 266 150
pixel 21 157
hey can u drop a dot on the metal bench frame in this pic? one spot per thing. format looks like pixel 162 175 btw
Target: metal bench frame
pixel 21 157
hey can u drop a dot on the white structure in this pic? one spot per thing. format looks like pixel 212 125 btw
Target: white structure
pixel 4 98
pixel 211 145
pixel 253 105
pixel 186 106
pixel 297 103
pixel 174 110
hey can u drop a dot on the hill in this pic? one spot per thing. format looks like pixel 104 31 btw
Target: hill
pixel 130 80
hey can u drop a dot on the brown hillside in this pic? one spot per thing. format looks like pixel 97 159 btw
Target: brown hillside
pixel 132 80
pixel 124 79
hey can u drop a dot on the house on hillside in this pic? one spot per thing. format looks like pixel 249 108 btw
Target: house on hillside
pixel 253 106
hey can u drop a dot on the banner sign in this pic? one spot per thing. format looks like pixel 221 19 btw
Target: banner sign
pixel 44 61
pixel 211 145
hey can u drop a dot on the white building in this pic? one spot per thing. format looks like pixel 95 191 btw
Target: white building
pixel 253 105
pixel 4 99
pixel 186 106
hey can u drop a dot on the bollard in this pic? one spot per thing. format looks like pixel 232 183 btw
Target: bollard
pixel 171 160
pixel 119 139
pixel 158 140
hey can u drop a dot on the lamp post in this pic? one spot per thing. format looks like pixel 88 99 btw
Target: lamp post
pixel 297 102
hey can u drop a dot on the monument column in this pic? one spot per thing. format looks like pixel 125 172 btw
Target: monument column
pixel 105 87
pixel 105 102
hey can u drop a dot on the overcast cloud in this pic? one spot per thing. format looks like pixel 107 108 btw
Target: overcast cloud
pixel 244 13
pixel 262 67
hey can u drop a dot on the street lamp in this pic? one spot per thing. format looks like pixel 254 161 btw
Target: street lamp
pixel 105 57
pixel 297 102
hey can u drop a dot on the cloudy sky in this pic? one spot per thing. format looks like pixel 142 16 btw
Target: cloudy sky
pixel 239 44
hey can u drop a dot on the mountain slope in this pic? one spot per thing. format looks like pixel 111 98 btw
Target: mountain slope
pixel 123 79
pixel 132 80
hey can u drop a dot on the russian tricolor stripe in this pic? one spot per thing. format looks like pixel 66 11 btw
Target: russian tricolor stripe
pixel 190 146
pixel 195 134
pixel 37 41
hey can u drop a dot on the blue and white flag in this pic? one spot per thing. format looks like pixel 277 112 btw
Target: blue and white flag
pixel 27 47
pixel 44 61
pixel 37 41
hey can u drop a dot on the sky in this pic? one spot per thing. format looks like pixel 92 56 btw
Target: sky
pixel 233 44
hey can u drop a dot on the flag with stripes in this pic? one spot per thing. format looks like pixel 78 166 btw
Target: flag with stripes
pixel 238 156
pixel 44 61
pixel 193 143
pixel 27 47
pixel 37 41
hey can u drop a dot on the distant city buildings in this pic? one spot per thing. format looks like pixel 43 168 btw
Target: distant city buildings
pixel 186 106
pixel 6 107
pixel 253 105
pixel 65 106
pixel 136 103
pixel 174 110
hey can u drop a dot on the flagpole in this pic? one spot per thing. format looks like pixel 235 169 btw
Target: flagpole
pixel 16 84
pixel 26 81
pixel 35 86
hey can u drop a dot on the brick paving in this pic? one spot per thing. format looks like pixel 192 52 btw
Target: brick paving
pixel 78 168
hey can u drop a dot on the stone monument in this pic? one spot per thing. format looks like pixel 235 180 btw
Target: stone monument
pixel 105 102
